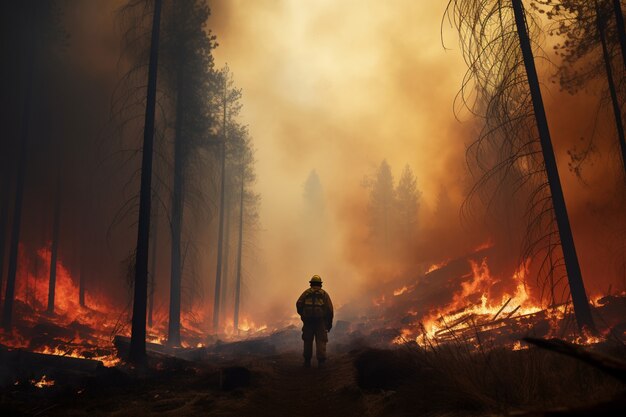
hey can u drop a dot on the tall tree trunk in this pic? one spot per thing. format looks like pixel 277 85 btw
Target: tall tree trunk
pixel 239 255
pixel 617 112
pixel 621 31
pixel 225 273
pixel 81 280
pixel 54 251
pixel 137 352
pixel 220 237
pixel 7 308
pixel 577 287
pixel 4 218
pixel 153 266
pixel 173 338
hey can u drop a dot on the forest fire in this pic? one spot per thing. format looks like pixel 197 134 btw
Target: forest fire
pixel 82 331
pixel 218 208
pixel 478 315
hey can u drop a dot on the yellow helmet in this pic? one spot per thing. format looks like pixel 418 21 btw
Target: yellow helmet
pixel 316 279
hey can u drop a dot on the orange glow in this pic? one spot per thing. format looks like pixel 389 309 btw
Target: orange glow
pixel 437 266
pixel 458 315
pixel 42 383
pixel 400 291
pixel 247 328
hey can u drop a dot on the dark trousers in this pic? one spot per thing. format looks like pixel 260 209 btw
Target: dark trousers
pixel 314 329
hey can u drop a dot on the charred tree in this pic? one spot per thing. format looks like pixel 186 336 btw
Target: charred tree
pixel 227 233
pixel 153 266
pixel 4 218
pixel 227 101
pixel 137 352
pixel 239 253
pixel 617 112
pixel 81 281
pixel 576 284
pixel 7 308
pixel 54 250
pixel 621 30
pixel 173 338
pixel 220 233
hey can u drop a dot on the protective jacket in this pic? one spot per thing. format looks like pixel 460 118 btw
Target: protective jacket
pixel 315 303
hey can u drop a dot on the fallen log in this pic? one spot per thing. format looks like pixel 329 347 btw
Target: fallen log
pixel 18 364
pixel 502 308
pixel 259 346
pixel 122 344
pixel 455 323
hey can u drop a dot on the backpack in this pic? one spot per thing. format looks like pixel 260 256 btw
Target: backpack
pixel 314 304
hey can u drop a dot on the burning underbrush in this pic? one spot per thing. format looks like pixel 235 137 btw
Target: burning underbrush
pixel 88 330
pixel 458 302
pixel 463 301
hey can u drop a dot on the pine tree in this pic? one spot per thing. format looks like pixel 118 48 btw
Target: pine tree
pixel 594 48
pixel 137 353
pixel 382 206
pixel 407 203
pixel 227 105
pixel 515 142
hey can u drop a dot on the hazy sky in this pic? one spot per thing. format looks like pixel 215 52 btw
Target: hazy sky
pixel 337 87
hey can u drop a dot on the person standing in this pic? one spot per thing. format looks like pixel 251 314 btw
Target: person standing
pixel 316 311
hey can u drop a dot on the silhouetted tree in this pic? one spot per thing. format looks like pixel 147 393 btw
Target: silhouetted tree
pixel 188 57
pixel 227 105
pixel 244 176
pixel 36 29
pixel 382 205
pixel 591 30
pixel 407 203
pixel 496 45
pixel 4 218
pixel 314 204
pixel 54 250
pixel 137 353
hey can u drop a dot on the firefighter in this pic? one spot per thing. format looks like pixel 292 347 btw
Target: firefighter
pixel 316 311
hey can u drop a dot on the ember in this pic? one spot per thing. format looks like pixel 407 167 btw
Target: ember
pixel 42 383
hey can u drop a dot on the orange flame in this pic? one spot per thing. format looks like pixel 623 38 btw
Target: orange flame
pixel 43 382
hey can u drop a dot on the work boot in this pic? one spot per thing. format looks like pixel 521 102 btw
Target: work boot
pixel 307 363
pixel 321 363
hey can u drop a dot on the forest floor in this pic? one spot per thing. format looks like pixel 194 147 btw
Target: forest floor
pixel 365 382
pixel 279 386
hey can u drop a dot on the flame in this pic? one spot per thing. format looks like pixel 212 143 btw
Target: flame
pixel 458 314
pixel 379 301
pixel 405 336
pixel 435 267
pixel 518 346
pixel 43 382
pixel 400 291
pixel 88 329
pixel 487 245
pixel 246 328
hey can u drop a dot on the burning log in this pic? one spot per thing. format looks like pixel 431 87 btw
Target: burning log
pixel 454 324
pixel 122 343
pixel 19 364
pixel 513 312
pixel 502 308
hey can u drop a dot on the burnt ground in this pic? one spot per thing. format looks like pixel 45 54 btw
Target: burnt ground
pixel 363 382
pixel 277 386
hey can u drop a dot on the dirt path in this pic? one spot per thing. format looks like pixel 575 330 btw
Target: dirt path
pixel 285 388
